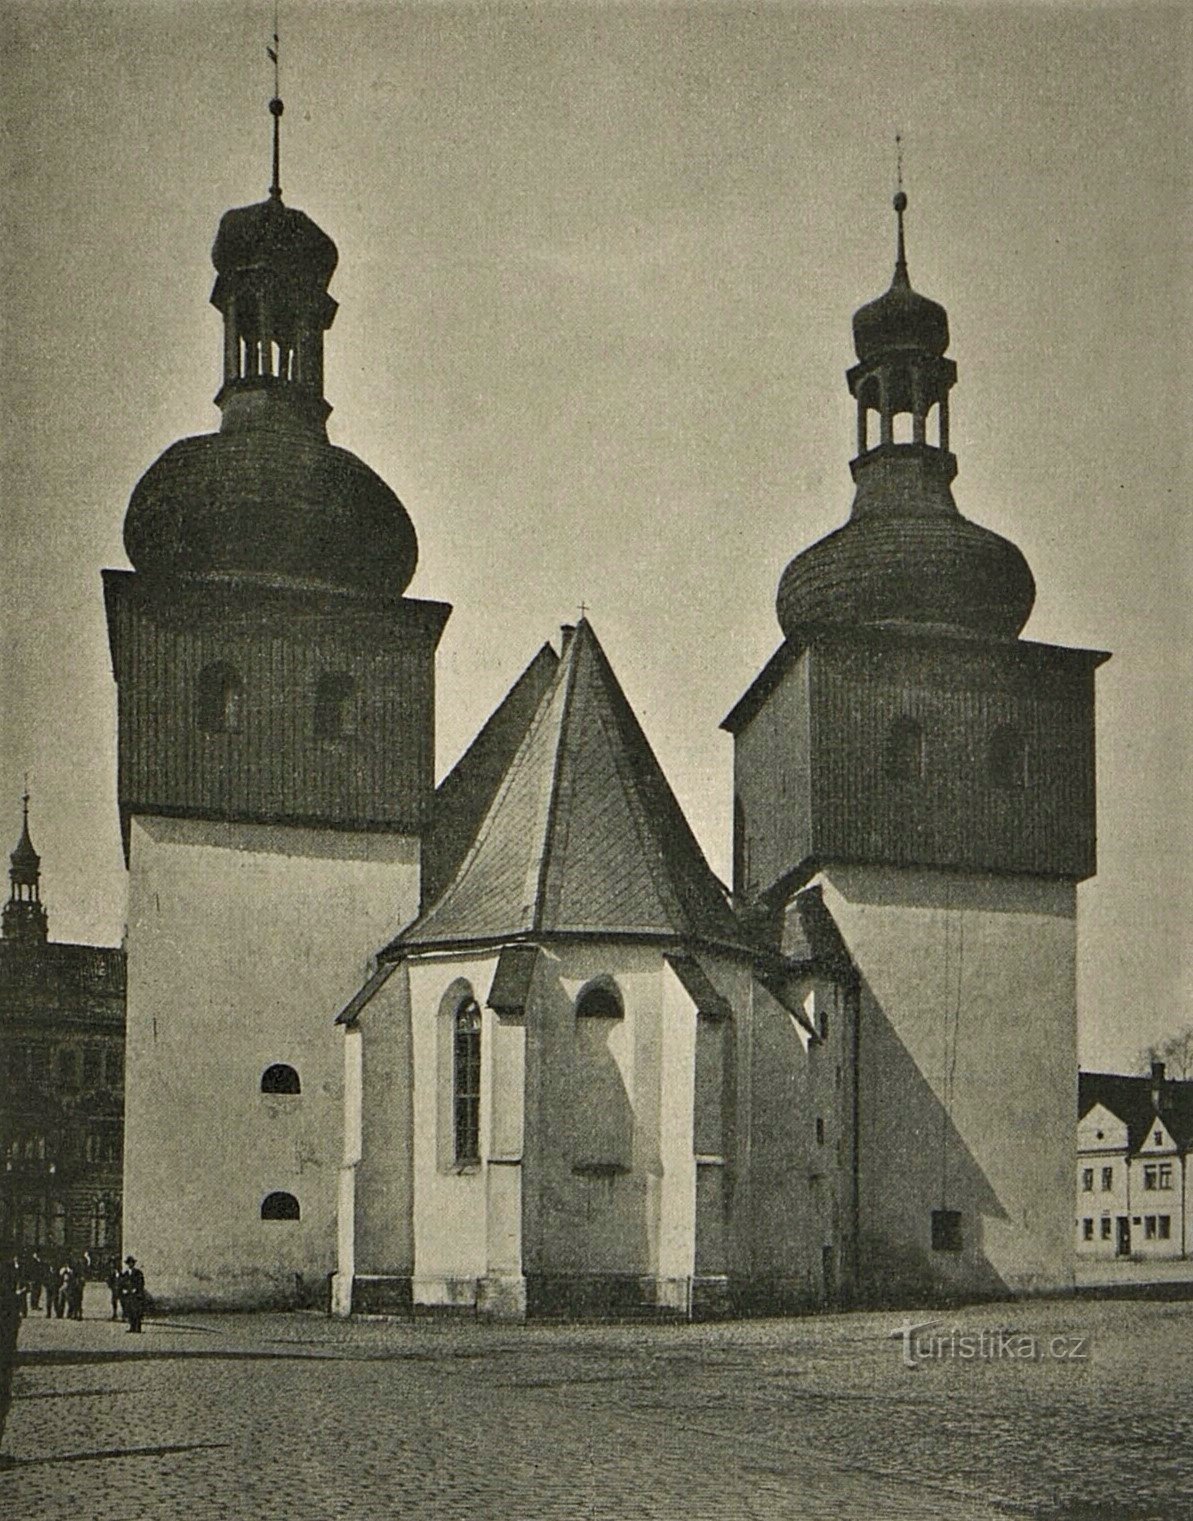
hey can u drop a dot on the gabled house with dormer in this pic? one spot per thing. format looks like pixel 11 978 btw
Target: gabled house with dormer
pixel 1134 1138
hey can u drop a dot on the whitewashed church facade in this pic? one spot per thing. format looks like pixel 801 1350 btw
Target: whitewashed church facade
pixel 571 1072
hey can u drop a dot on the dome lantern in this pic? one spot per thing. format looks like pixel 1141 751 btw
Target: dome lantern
pixel 906 557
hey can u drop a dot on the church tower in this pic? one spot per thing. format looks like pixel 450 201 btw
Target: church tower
pixel 276 752
pixel 933 772
pixel 24 918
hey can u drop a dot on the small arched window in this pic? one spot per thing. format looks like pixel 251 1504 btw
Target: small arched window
pixel 466 1081
pixel 279 1206
pixel 1008 758
pixel 280 1079
pixel 904 757
pixel 333 692
pixel 221 699
pixel 600 1000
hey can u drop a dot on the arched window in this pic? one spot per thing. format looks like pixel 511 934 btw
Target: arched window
pixel 333 692
pixel 1008 758
pixel 600 1000
pixel 904 757
pixel 279 1206
pixel 466 1081
pixel 221 698
pixel 280 1079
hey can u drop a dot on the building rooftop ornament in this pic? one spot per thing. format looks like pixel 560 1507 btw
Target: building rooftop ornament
pixel 906 558
pixel 269 498
pixel 24 916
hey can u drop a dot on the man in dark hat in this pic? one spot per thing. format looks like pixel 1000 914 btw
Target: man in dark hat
pixel 132 1293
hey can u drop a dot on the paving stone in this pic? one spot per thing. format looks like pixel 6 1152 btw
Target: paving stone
pixel 289 1417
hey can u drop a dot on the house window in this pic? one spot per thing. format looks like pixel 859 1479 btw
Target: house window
pixel 221 696
pixel 1164 1176
pixel 466 1081
pixel 904 756
pixel 946 1230
pixel 1164 1224
pixel 280 1079
pixel 57 1222
pixel 1149 1177
pixel 1008 758
pixel 1107 1179
pixel 103 1223
pixel 1158 1138
pixel 819 1131
pixel 1087 1229
pixel 68 1067
pixel 279 1206
pixel 1106 1228
pixel 1149 1227
pixel 92 1066
pixel 1087 1179
pixel 333 692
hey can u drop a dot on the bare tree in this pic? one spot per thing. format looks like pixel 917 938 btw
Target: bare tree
pixel 1176 1053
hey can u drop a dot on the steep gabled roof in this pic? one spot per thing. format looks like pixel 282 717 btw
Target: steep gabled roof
pixel 466 793
pixel 1130 1098
pixel 584 835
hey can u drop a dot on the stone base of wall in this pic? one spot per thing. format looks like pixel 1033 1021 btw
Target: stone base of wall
pixel 711 1298
pixel 605 1296
pixel 379 1295
pixel 501 1298
pixel 175 1296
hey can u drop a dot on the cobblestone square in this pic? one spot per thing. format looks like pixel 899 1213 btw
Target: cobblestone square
pixel 1066 1410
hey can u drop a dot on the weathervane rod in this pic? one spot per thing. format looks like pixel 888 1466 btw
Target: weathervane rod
pixel 900 204
pixel 275 110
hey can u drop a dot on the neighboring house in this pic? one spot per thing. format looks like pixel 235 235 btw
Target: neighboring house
pixel 1134 1138
pixel 62 1076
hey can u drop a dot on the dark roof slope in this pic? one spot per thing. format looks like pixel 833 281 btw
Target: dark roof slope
pixel 584 835
pixel 466 793
pixel 1130 1098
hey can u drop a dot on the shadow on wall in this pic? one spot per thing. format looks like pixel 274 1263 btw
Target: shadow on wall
pixel 590 1182
pixel 922 1196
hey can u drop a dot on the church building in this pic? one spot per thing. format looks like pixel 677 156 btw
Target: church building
pixel 571 1071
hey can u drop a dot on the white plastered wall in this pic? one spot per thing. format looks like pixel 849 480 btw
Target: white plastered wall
pixel 967 1073
pixel 244 941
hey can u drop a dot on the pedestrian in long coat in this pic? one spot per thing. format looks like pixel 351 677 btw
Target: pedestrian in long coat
pixel 132 1292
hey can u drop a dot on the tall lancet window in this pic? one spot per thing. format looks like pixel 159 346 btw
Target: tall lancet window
pixel 466 1081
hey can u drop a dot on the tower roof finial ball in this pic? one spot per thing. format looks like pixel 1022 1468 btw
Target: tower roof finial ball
pixel 900 201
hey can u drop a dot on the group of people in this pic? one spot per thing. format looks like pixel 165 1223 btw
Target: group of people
pixel 63 1289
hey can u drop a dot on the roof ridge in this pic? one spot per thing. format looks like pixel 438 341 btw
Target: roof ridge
pixel 567 676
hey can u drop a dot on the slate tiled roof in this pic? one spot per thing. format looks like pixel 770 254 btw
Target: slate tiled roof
pixel 1130 1098
pixel 584 835
pixel 466 793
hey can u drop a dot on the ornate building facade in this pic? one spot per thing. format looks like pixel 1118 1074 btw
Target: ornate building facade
pixel 62 1061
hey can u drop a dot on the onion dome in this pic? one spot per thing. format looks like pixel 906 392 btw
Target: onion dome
pixel 932 571
pixel 268 496
pixel 906 557
pixel 900 320
pixel 267 501
pixel 271 235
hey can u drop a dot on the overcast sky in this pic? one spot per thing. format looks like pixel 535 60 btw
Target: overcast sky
pixel 597 267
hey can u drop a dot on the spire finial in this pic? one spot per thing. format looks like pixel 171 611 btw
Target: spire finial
pixel 275 110
pixel 25 802
pixel 900 205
